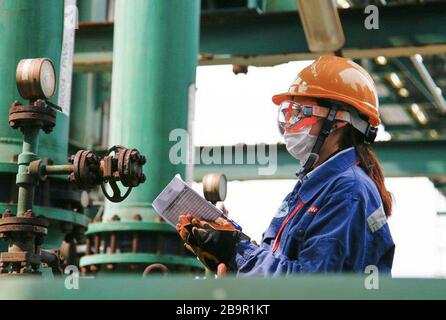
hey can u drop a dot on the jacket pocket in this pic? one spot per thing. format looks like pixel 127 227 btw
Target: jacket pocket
pixel 296 238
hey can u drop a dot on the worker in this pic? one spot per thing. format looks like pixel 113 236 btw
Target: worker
pixel 335 218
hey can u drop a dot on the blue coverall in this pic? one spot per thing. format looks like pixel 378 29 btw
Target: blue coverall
pixel 341 226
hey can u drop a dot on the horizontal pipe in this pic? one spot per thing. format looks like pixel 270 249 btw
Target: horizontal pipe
pixel 59 169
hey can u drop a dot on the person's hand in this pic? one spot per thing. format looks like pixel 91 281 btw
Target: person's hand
pixel 185 228
pixel 212 242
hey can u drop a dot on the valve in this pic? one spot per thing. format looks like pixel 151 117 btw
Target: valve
pixel 86 173
pixel 36 82
pixel 119 164
pixel 124 165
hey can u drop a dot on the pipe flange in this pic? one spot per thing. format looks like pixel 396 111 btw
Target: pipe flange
pixel 86 169
pixel 37 114
pixel 28 232
pixel 36 168
pixel 124 165
pixel 130 164
pixel 38 226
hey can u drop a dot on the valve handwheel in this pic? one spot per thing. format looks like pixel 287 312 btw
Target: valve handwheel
pixel 125 166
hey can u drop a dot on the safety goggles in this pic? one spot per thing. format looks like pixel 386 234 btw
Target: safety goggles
pixel 294 116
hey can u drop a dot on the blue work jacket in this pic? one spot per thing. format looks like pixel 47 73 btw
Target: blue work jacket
pixel 340 226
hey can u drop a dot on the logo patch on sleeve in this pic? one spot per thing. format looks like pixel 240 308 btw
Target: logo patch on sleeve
pixel 313 209
pixel 283 210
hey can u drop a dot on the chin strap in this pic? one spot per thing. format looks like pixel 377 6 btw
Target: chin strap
pixel 323 134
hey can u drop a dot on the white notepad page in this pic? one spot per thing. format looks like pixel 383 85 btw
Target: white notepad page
pixel 178 199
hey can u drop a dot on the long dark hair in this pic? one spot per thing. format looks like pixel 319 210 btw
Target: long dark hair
pixel 368 162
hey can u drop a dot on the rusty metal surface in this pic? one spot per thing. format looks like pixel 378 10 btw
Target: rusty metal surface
pixel 86 172
pixel 25 235
pixel 124 165
pixel 119 164
pixel 36 114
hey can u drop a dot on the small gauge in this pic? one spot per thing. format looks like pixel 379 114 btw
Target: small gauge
pixel 215 187
pixel 36 78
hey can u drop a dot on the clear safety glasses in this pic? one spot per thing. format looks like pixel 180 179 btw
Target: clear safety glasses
pixel 294 116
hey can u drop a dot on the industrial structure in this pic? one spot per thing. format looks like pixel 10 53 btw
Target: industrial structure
pixel 130 58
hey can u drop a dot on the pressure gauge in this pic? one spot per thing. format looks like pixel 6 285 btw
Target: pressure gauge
pixel 215 187
pixel 36 78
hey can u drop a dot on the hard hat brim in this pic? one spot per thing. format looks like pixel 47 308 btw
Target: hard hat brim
pixel 279 98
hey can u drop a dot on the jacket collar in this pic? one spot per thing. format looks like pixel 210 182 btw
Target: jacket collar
pixel 315 180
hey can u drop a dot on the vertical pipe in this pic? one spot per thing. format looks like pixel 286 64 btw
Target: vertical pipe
pixel 92 11
pixel 24 181
pixel 87 97
pixel 29 29
pixel 154 60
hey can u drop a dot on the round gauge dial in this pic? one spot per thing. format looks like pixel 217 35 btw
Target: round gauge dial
pixel 215 187
pixel 222 187
pixel 48 78
pixel 36 78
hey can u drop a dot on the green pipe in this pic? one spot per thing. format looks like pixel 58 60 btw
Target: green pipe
pixel 24 180
pixel 92 11
pixel 154 61
pixel 29 29
pixel 86 119
pixel 88 89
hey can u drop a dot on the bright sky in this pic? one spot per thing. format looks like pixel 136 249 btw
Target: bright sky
pixel 232 109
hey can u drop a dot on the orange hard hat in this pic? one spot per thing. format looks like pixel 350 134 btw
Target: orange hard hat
pixel 339 79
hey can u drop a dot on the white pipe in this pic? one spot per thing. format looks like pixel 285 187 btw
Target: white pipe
pixel 440 102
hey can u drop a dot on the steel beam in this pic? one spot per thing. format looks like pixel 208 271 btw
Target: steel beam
pixel 398 159
pixel 249 38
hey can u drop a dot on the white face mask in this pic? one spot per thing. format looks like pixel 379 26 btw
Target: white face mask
pixel 299 144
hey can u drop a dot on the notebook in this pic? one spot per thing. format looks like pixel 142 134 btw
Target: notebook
pixel 178 199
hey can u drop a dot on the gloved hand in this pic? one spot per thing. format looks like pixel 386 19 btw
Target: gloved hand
pixel 212 242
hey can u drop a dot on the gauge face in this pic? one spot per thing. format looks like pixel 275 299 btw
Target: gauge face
pixel 222 187
pixel 214 187
pixel 47 79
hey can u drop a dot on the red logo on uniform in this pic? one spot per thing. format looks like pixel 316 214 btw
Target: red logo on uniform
pixel 313 209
